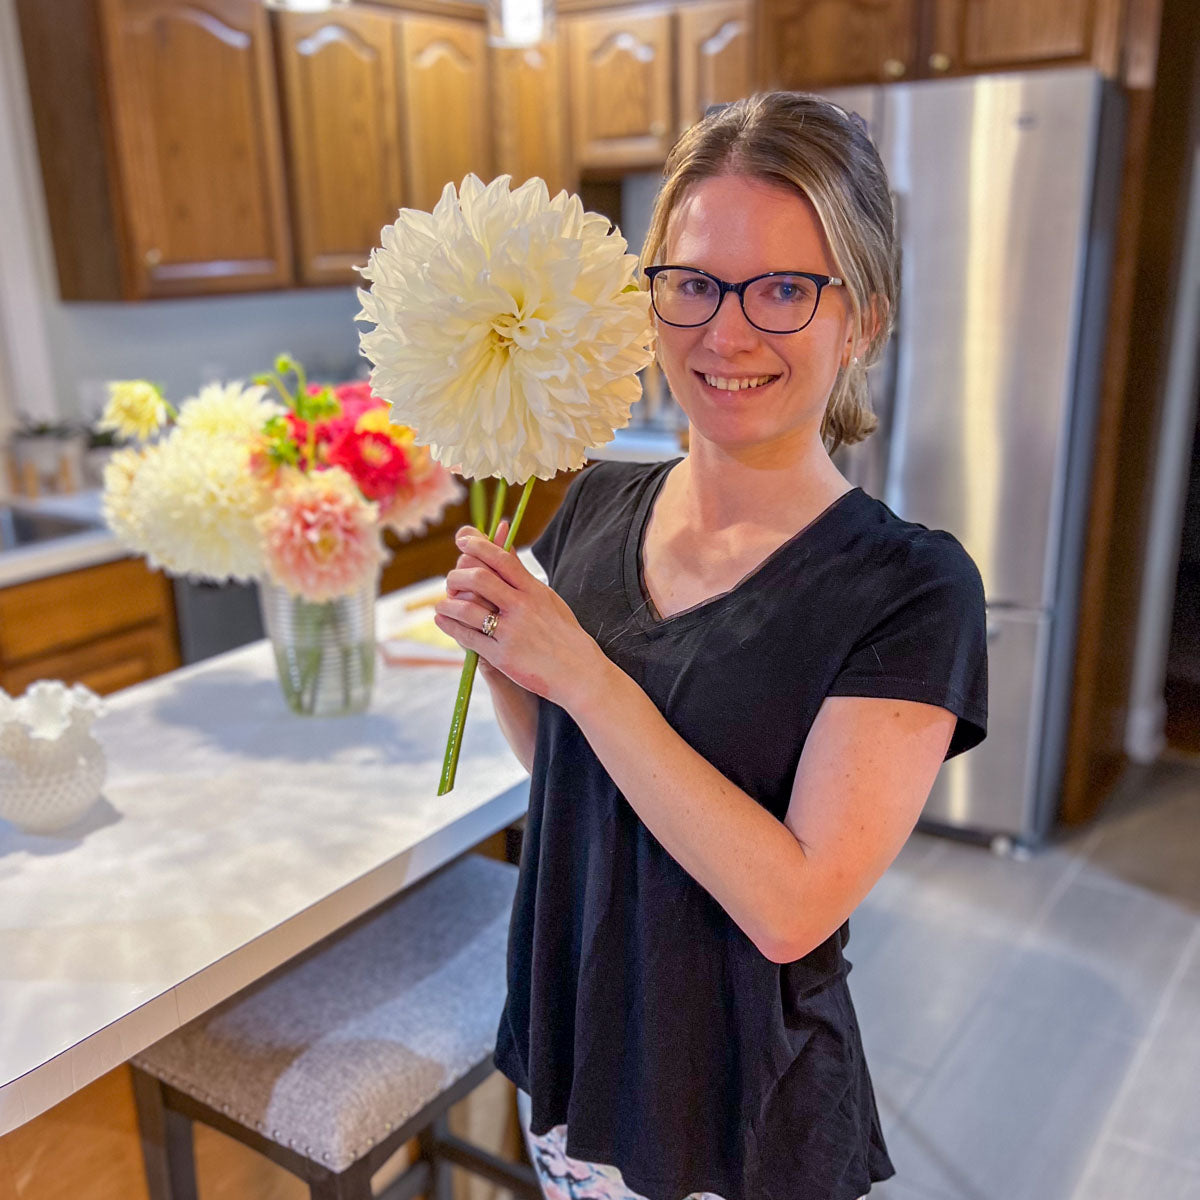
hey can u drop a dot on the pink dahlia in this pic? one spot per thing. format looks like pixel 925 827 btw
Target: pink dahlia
pixel 320 536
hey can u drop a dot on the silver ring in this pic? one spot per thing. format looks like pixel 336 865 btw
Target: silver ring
pixel 489 624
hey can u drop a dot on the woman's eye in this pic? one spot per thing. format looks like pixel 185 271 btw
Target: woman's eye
pixel 697 285
pixel 791 291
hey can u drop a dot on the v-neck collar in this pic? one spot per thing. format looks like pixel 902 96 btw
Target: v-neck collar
pixel 633 577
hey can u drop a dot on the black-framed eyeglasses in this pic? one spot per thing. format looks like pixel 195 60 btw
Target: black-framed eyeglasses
pixel 774 302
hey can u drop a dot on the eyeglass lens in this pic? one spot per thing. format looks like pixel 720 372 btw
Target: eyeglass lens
pixel 777 304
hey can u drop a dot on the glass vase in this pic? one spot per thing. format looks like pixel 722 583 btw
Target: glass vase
pixel 324 651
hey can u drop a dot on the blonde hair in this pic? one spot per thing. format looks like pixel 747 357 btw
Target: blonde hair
pixel 801 141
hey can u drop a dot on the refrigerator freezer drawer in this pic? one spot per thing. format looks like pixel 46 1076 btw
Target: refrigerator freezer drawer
pixel 992 789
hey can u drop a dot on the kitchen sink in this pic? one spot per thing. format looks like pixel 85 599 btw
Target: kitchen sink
pixel 21 527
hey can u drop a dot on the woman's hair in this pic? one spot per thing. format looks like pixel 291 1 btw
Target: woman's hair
pixel 801 141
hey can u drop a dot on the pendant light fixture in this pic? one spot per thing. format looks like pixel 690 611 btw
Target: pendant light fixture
pixel 519 24
pixel 304 6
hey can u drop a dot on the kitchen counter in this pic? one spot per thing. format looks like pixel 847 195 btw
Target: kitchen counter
pixel 231 835
pixel 69 553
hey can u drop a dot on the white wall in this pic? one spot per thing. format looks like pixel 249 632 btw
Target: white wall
pixel 59 355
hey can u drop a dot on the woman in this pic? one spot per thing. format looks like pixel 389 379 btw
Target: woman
pixel 733 700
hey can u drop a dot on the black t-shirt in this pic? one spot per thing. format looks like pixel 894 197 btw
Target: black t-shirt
pixel 638 1012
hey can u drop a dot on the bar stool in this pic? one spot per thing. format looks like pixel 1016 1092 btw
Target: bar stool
pixel 332 1063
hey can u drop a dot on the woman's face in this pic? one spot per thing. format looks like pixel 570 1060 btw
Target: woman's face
pixel 735 227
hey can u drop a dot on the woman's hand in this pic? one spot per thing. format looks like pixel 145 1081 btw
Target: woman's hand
pixel 537 642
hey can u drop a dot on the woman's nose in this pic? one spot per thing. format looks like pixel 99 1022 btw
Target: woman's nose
pixel 729 331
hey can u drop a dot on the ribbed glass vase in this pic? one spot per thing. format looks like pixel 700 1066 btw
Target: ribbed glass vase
pixel 324 652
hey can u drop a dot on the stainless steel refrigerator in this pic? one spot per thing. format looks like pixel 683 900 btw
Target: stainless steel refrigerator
pixel 1005 191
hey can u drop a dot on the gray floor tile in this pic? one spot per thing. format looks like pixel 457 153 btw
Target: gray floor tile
pixel 1160 1108
pixel 896 1084
pixel 915 990
pixel 1153 839
pixel 1013 1110
pixel 897 1188
pixel 1103 954
pixel 1124 1172
pixel 979 890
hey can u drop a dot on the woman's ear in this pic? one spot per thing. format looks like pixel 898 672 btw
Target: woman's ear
pixel 874 321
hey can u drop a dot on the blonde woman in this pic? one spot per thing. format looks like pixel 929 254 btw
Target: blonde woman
pixel 733 699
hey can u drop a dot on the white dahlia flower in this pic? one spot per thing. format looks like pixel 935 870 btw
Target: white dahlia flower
pixel 227 410
pixel 505 332
pixel 191 507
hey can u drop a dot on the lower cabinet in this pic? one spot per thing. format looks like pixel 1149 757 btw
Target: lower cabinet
pixel 106 626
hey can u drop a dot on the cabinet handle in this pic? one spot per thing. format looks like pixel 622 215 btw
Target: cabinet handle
pixel 152 257
pixel 939 62
pixel 893 68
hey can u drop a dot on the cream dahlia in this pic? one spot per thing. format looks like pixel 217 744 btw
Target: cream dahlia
pixel 194 502
pixel 505 333
pixel 227 410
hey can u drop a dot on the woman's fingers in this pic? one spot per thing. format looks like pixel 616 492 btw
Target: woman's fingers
pixel 466 612
pixel 483 583
pixel 504 562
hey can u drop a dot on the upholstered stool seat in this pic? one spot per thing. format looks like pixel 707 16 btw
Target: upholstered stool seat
pixel 334 1061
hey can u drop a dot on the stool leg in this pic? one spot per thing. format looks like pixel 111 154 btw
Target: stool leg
pixel 166 1138
pixel 442 1186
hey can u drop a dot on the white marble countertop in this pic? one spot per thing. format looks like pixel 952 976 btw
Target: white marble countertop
pixel 231 835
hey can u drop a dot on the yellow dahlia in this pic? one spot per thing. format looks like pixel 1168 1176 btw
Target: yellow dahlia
pixel 135 409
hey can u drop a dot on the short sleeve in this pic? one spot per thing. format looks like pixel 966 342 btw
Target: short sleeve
pixel 928 641
pixel 547 547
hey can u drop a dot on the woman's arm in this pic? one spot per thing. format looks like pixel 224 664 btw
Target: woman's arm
pixel 516 712
pixel 863 777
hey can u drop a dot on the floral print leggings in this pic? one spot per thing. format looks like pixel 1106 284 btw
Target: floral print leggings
pixel 565 1178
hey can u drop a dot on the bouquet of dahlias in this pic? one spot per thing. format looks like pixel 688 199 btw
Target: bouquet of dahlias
pixel 289 486
pixel 295 488
pixel 508 332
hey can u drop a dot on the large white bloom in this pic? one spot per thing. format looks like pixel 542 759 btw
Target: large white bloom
pixel 190 506
pixel 504 334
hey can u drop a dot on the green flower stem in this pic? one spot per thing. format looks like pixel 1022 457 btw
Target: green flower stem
pixel 498 507
pixel 467 680
pixel 478 503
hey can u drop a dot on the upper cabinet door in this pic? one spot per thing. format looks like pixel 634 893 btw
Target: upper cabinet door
pixel 529 115
pixel 445 91
pixel 197 145
pixel 816 44
pixel 341 114
pixel 716 56
pixel 983 35
pixel 620 83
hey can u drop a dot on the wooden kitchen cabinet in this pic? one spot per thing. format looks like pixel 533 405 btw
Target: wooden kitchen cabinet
pixel 340 85
pixel 529 115
pixel 158 132
pixel 826 43
pixel 620 66
pixel 444 68
pixel 106 626
pixel 715 56
pixel 971 36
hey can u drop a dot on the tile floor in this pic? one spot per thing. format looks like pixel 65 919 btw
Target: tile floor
pixel 1034 1027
